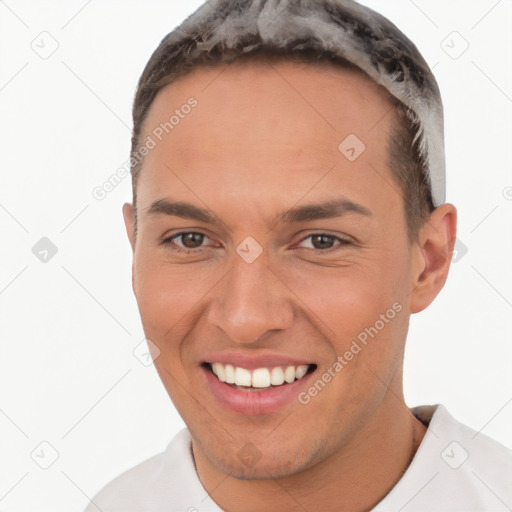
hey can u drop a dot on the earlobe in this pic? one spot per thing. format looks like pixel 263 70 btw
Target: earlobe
pixel 435 246
pixel 128 214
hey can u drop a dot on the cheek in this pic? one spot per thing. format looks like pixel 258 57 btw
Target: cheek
pixel 360 309
pixel 169 295
pixel 349 297
pixel 157 303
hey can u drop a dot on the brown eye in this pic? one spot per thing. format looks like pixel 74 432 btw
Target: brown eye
pixel 323 242
pixel 191 240
pixel 185 240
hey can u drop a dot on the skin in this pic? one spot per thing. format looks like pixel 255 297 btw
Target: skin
pixel 264 138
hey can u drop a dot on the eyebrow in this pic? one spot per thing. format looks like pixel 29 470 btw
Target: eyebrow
pixel 327 210
pixel 309 212
pixel 183 210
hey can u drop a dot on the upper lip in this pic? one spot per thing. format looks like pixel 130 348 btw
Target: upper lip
pixel 253 361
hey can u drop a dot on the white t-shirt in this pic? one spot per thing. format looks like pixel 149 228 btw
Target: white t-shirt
pixel 454 469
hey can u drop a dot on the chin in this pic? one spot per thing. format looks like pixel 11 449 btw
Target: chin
pixel 275 460
pixel 279 467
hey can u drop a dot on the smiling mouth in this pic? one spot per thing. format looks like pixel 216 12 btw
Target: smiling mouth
pixel 259 379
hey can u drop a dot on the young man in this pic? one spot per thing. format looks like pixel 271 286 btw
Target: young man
pixel 288 217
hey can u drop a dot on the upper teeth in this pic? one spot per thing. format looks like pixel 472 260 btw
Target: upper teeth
pixel 259 378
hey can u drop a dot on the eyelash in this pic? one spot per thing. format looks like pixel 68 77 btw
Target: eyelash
pixel 170 242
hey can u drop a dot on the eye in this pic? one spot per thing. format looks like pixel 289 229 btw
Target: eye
pixel 191 241
pixel 323 242
pixel 187 240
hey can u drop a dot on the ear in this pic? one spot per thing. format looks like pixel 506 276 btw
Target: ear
pixel 433 256
pixel 129 217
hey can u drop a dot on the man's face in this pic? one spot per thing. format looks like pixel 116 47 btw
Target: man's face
pixel 260 146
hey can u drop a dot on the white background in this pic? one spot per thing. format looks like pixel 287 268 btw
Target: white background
pixel 68 327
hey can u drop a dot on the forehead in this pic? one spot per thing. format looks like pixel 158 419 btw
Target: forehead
pixel 324 96
pixel 265 128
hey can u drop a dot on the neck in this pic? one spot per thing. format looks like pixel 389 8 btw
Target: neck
pixel 354 478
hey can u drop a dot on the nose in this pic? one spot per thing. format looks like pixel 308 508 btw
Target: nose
pixel 250 301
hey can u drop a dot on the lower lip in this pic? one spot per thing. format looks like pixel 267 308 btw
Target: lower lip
pixel 255 402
